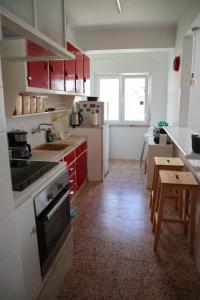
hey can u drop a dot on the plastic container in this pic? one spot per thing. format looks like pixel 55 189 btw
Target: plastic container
pixel 26 105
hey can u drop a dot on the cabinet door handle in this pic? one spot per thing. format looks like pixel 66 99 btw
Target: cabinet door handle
pixel 29 77
pixel 34 230
pixel 45 65
pixel 66 74
pixel 51 68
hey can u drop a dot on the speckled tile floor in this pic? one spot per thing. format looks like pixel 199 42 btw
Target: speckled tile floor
pixel 113 241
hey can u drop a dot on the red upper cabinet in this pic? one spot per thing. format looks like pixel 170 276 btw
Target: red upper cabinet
pixel 56 70
pixel 38 71
pixel 79 71
pixel 69 71
pixel 86 74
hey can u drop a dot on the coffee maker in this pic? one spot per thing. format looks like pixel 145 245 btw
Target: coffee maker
pixel 18 146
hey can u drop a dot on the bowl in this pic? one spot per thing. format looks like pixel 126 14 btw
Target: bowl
pixel 92 98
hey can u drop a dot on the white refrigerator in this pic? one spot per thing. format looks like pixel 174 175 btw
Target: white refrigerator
pixel 93 112
pixel 98 149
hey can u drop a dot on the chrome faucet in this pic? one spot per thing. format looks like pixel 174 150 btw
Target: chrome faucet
pixel 39 129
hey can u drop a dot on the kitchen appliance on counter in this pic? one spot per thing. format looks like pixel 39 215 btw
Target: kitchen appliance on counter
pixel 77 119
pixel 93 112
pixel 52 212
pixel 25 172
pixel 18 146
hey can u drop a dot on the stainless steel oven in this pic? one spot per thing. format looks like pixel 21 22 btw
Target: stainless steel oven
pixel 52 211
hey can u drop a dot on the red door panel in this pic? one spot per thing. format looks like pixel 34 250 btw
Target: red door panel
pixel 79 71
pixel 86 69
pixel 70 75
pixel 81 169
pixel 56 70
pixel 70 71
pixel 38 74
pixel 38 71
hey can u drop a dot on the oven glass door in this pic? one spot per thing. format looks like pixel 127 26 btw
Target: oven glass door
pixel 51 225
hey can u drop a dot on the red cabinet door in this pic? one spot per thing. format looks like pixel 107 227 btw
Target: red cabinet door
pixel 79 71
pixel 81 169
pixel 38 71
pixel 86 74
pixel 56 70
pixel 70 71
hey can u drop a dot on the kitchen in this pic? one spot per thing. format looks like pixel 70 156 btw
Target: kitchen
pixel 140 56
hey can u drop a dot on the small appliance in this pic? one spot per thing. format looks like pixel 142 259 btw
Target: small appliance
pixel 18 146
pixel 93 112
pixel 77 119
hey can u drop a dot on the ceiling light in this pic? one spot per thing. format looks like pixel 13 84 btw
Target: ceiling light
pixel 192 79
pixel 119 6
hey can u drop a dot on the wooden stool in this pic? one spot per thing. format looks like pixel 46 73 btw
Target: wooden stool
pixel 162 163
pixel 182 182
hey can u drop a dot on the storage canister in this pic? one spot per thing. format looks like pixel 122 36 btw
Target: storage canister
pixel 18 105
pixel 39 105
pixel 26 105
pixel 33 104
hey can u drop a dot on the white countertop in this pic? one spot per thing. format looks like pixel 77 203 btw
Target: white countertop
pixel 181 136
pixel 46 155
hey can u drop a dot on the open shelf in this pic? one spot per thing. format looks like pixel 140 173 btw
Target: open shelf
pixel 42 113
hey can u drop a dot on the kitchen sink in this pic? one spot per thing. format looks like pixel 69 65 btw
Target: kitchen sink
pixel 52 147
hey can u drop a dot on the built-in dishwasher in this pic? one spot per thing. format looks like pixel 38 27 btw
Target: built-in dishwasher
pixel 52 211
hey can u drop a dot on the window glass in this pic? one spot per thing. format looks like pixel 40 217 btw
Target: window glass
pixel 109 92
pixel 134 98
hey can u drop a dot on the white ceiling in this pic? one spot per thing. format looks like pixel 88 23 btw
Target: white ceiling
pixel 95 13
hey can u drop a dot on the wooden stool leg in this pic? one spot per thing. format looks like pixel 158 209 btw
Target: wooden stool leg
pixel 192 219
pixel 155 194
pixel 181 204
pixel 153 185
pixel 159 218
pixel 186 210
pixel 156 204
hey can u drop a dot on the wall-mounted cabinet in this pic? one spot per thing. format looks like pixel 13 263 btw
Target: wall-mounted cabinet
pixel 81 69
pixel 35 77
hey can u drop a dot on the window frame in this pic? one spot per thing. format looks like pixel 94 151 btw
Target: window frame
pixel 122 77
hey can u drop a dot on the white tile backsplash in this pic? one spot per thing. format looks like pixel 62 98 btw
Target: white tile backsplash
pixel 28 123
pixel 4 158
pixel 6 198
pixel 8 237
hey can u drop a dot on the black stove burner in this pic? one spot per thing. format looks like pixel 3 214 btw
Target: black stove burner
pixel 25 172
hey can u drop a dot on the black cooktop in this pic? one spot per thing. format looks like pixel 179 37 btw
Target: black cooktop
pixel 25 172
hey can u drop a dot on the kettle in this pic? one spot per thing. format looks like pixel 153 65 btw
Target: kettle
pixel 77 119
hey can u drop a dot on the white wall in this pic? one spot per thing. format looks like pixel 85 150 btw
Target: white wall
pixel 155 63
pixel 194 103
pixel 126 38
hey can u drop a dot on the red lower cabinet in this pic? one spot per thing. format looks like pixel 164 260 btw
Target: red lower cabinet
pixel 81 169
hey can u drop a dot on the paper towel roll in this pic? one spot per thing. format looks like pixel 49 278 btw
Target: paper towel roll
pixel 94 119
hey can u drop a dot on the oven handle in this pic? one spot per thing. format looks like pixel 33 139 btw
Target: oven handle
pixel 58 204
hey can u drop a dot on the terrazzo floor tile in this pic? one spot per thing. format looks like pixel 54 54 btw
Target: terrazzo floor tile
pixel 113 245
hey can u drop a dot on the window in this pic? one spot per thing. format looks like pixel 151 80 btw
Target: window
pixel 127 96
